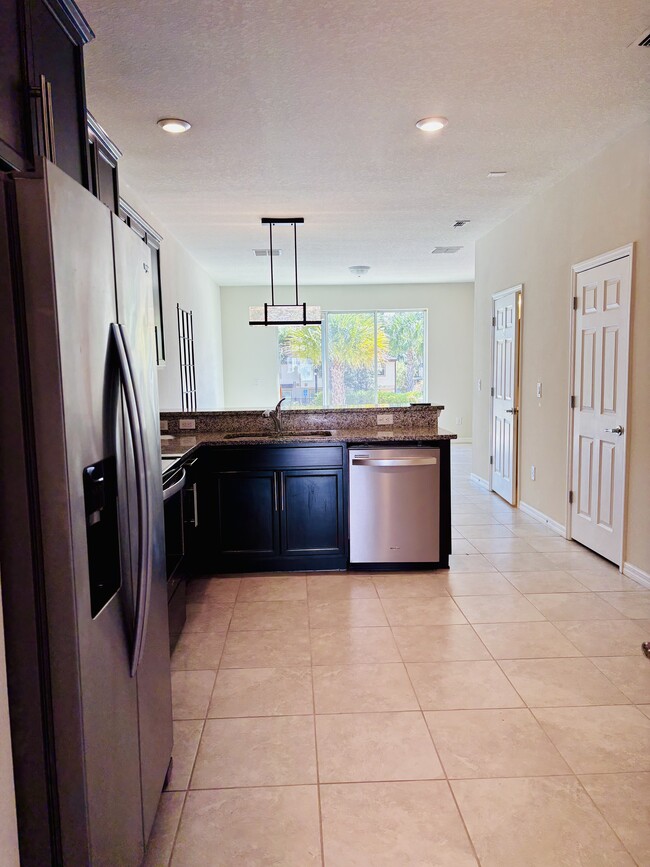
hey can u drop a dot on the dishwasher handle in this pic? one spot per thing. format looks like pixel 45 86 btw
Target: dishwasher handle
pixel 394 462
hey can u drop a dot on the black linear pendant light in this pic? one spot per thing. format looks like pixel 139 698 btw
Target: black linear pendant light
pixel 284 314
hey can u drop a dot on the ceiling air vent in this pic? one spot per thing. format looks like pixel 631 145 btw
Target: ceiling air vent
pixel 446 249
pixel 460 223
pixel 266 252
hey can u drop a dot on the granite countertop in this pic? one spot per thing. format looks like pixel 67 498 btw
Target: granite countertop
pixel 179 446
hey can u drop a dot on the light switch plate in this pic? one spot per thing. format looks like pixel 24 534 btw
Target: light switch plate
pixel 539 389
pixel 186 424
pixel 164 424
pixel 385 418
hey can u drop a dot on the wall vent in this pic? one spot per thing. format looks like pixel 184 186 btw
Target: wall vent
pixel 445 250
pixel 460 223
pixel 266 252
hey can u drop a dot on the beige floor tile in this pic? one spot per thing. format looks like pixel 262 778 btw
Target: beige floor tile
pixel 582 560
pixel 631 674
pixel 187 734
pixel 264 827
pixel 465 508
pixel 537 822
pixel 462 546
pixel 207 617
pixel 598 740
pixel 531 530
pixel 270 588
pixel 502 546
pixel 198 650
pixel 259 751
pixel 520 562
pixel 191 691
pixel 513 516
pixel 498 609
pixel 475 518
pixel 493 743
pixel 573 606
pixel 456 534
pixel 363 688
pixel 561 683
pixel 268 648
pixel 262 692
pixel 215 589
pixel 422 612
pixel 469 563
pixel 645 709
pixel 324 586
pixel 479 584
pixel 524 640
pixel 393 825
pixel 359 644
pixel 633 605
pixel 486 531
pixel 367 747
pixel 346 612
pixel 604 580
pixel 438 643
pixel 461 685
pixel 269 615
pixel 402 585
pixel 161 840
pixel 624 800
pixel 553 545
pixel 604 637
pixel 544 582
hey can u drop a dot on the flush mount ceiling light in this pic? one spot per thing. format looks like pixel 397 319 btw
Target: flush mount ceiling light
pixel 174 125
pixel 497 174
pixel 284 314
pixel 432 124
pixel 359 270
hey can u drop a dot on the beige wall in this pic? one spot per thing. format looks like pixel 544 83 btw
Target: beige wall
pixel 601 206
pixel 8 831
pixel 186 283
pixel 251 357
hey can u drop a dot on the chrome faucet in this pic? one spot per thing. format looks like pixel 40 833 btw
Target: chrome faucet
pixel 275 415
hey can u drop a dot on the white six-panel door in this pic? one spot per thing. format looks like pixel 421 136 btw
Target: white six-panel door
pixel 505 372
pixel 600 397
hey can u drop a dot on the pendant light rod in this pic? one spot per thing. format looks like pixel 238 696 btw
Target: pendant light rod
pixel 271 258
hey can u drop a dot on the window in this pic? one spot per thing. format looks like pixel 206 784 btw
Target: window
pixel 355 358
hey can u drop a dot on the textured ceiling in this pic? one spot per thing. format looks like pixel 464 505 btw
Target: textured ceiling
pixel 307 108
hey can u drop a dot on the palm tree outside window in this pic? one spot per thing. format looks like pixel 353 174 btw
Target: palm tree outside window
pixel 356 358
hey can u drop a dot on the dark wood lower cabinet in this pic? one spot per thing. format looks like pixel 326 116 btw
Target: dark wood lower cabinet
pixel 268 519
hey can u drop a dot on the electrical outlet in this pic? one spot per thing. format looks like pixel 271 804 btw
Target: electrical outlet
pixel 186 424
pixel 532 472
pixel 385 418
pixel 164 424
pixel 539 389
pixel 478 384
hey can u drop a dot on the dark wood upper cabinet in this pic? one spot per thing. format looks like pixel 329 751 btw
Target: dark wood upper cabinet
pixel 42 89
pixel 104 156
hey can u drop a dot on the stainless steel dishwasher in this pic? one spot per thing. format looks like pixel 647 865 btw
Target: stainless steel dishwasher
pixel 394 505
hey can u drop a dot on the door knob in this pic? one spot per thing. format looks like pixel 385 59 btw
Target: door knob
pixel 618 430
pixel 645 647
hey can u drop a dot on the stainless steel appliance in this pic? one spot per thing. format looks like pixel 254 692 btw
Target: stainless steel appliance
pixel 174 481
pixel 82 546
pixel 394 505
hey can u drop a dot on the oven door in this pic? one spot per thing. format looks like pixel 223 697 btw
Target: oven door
pixel 173 485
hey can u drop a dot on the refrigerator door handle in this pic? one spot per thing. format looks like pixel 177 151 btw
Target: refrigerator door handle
pixel 142 494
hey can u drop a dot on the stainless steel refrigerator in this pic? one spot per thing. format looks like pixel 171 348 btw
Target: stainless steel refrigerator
pixel 82 560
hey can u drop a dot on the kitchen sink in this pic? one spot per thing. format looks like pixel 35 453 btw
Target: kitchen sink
pixel 276 434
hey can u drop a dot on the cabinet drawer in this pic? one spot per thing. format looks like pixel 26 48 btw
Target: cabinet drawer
pixel 260 457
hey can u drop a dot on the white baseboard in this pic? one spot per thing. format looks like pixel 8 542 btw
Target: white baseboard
pixel 636 573
pixel 462 440
pixel 550 523
pixel 479 480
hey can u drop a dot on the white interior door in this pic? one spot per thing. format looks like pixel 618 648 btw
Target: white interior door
pixel 600 398
pixel 505 378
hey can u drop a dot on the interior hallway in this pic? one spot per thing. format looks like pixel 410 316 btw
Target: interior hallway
pixel 497 713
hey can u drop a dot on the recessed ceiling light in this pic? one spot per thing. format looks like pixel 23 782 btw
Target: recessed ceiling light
pixel 174 124
pixel 432 124
pixel 359 270
pixel 497 174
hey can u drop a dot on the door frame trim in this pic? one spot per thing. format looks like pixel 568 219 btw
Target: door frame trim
pixel 518 288
pixel 626 250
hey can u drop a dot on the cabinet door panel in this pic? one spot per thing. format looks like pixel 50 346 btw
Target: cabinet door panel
pixel 247 517
pixel 312 511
